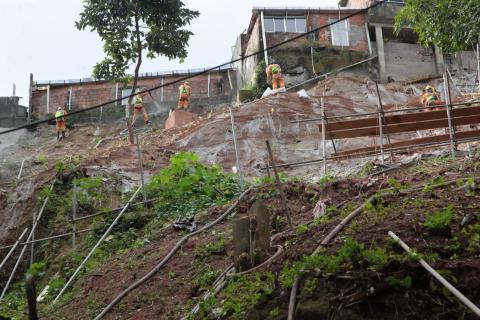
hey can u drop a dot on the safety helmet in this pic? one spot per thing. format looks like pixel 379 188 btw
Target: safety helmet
pixel 430 88
pixel 59 108
pixel 186 83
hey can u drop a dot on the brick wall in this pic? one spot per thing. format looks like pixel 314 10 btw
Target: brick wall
pixel 84 95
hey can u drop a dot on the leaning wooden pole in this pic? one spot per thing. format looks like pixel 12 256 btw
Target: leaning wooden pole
pixel 12 249
pixel 279 185
pixel 451 128
pixel 324 147
pixel 437 276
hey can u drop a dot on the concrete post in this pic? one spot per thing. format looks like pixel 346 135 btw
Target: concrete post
pixel 381 53
pixel 241 243
pixel 30 104
pixel 439 60
pixel 264 38
pixel 261 248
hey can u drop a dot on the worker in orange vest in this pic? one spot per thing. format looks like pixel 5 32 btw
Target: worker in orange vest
pixel 430 98
pixel 138 107
pixel 60 123
pixel 275 77
pixel 184 98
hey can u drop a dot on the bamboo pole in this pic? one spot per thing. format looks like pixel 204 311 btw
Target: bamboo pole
pixel 21 169
pixel 380 105
pixel 437 276
pixel 63 235
pixel 13 248
pixel 96 246
pixel 324 153
pixel 34 226
pixel 74 214
pixel 12 274
pixel 451 129
pixel 140 167
pixel 237 155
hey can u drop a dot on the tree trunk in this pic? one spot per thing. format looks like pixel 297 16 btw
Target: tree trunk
pixel 135 77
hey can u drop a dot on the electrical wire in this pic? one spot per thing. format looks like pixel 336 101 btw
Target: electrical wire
pixel 360 11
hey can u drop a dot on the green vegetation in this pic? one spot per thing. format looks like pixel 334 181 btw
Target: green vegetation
pixel 259 84
pixel 130 30
pixel 350 255
pixel 242 293
pixel 400 284
pixel 187 186
pixel 447 24
pixel 439 221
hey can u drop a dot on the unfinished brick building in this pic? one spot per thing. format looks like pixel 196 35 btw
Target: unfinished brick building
pixel 209 89
pixel 319 52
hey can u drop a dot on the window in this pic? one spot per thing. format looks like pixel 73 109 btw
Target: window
pixel 269 26
pixel 339 33
pixel 301 24
pixel 291 25
pixel 279 24
pixel 125 93
pixel 285 24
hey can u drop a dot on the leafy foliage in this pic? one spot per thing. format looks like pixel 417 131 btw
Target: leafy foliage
pixel 240 295
pixel 127 27
pixel 187 186
pixel 440 220
pixel 352 253
pixel 451 25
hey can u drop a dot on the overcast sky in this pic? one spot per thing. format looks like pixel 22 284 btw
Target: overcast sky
pixel 39 37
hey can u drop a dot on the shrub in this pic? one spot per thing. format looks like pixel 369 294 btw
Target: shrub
pixel 187 186
pixel 439 221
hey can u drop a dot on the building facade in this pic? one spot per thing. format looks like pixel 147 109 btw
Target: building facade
pixel 209 89
pixel 316 53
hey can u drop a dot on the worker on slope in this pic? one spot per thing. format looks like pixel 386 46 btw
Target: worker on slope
pixel 60 123
pixel 430 98
pixel 184 98
pixel 275 77
pixel 138 107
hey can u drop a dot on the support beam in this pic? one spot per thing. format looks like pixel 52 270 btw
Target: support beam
pixel 30 102
pixel 48 99
pixel 264 38
pixel 381 53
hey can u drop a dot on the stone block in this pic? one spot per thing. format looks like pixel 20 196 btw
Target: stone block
pixel 179 118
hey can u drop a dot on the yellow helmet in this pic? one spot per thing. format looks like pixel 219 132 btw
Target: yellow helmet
pixel 429 87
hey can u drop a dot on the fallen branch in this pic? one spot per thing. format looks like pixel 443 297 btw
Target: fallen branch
pixel 266 262
pixel 437 276
pixel 169 256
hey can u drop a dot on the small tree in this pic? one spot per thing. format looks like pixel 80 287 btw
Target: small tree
pixel 130 28
pixel 451 25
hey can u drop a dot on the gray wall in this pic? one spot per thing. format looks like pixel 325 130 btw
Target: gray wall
pixel 11 113
pixel 405 61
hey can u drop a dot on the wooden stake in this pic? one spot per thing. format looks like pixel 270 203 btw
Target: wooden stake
pixel 279 186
